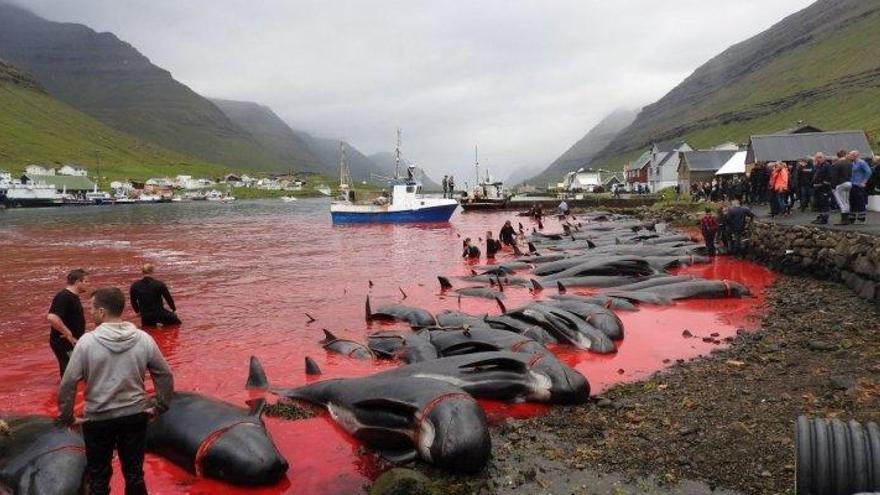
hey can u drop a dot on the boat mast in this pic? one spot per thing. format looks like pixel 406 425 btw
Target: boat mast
pixel 397 156
pixel 344 174
pixel 477 164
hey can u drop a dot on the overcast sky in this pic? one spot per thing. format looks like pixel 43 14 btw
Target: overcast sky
pixel 521 79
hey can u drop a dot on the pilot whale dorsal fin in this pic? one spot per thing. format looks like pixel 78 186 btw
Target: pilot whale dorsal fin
pixel 257 379
pixel 312 367
pixel 257 406
pixel 535 285
pixel 328 337
pixel 368 310
pixel 444 282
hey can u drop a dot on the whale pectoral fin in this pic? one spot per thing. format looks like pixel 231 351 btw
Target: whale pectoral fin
pixel 257 379
pixel 469 348
pixel 393 445
pixel 386 404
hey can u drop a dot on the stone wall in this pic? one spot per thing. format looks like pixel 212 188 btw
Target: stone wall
pixel 843 256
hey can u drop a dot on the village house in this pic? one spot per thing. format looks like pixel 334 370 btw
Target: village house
pixel 636 172
pixel 73 171
pixel 38 170
pixel 663 171
pixel 700 166
pixel 588 180
pixel 788 147
pixel 160 186
pixel 71 184
pixel 190 184
pixel 5 176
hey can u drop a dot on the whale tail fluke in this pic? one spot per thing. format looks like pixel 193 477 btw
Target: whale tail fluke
pixel 312 367
pixel 256 376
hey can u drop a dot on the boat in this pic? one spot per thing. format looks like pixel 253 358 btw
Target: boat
pixel 17 194
pixel 215 195
pixel 289 199
pixel 99 197
pixel 149 198
pixel 488 194
pixel 403 202
pixel 324 189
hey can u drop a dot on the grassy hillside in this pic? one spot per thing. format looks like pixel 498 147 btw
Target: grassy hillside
pixel 36 128
pixel 820 65
pixel 110 80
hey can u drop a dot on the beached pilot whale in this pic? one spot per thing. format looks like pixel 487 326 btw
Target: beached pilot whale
pixel 502 375
pixel 434 342
pixel 346 347
pixel 401 417
pixel 217 440
pixel 38 456
pixel 416 317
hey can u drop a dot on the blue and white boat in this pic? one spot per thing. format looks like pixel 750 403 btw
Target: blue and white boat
pixel 402 203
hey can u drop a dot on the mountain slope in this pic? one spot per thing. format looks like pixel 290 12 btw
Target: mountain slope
pixel 582 152
pixel 273 134
pixel 385 161
pixel 326 150
pixel 36 128
pixel 110 80
pixel 820 65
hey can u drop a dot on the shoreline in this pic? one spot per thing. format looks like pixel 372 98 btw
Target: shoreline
pixel 722 423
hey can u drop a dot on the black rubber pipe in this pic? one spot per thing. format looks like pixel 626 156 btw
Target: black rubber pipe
pixel 837 458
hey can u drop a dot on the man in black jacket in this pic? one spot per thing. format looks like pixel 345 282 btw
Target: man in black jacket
pixel 822 187
pixel 146 300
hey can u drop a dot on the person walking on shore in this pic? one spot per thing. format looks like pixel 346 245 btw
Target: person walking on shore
pixel 112 360
pixel 709 227
pixel 778 188
pixel 445 184
pixel 858 194
pixel 146 300
pixel 66 317
pixel 737 217
pixel 841 174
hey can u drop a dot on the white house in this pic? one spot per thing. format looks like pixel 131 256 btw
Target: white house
pixel 583 180
pixel 187 182
pixel 38 170
pixel 269 184
pixel 5 176
pixel 665 158
pixel 73 170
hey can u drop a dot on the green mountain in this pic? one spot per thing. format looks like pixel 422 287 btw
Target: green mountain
pixel 385 161
pixel 110 80
pixel 274 135
pixel 581 153
pixel 36 128
pixel 820 65
pixel 327 151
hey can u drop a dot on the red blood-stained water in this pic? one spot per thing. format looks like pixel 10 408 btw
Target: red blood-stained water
pixel 244 275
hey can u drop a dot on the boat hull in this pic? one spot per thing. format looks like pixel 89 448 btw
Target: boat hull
pixel 440 213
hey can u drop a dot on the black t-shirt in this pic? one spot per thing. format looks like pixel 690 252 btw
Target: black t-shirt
pixel 68 307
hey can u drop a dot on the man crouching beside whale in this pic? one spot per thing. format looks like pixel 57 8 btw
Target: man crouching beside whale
pixel 112 361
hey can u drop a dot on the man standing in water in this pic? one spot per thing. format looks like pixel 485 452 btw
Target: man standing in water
pixel 66 318
pixel 112 360
pixel 146 300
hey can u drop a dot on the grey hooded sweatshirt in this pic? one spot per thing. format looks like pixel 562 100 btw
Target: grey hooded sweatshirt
pixel 112 360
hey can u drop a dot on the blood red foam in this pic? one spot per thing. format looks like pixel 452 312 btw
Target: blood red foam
pixel 245 275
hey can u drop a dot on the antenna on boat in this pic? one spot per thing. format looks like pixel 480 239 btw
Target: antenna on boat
pixel 397 156
pixel 344 173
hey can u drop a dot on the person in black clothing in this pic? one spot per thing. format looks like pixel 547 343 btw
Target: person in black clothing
pixel 470 251
pixel 492 245
pixel 146 299
pixel 737 217
pixel 822 187
pixel 507 234
pixel 66 318
pixel 805 173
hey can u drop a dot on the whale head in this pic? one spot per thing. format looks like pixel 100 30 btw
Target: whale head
pixel 453 433
pixel 553 381
pixel 244 455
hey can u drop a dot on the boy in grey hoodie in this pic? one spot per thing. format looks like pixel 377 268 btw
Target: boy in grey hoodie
pixel 112 360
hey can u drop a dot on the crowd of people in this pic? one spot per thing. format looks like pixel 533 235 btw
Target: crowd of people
pixel 728 227
pixel 818 183
pixel 112 361
pixel 448 184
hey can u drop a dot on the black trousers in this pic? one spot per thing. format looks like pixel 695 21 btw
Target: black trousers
pixel 128 436
pixel 61 348
pixel 858 201
pixel 163 316
pixel 709 237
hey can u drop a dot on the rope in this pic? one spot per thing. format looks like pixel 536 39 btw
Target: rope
pixel 209 442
